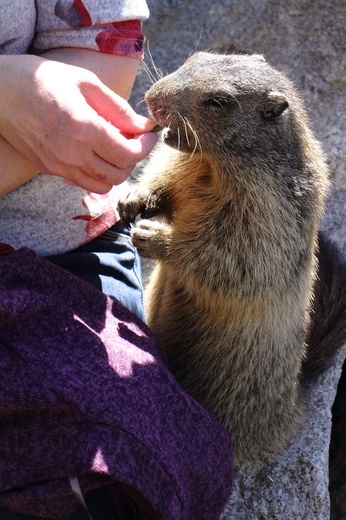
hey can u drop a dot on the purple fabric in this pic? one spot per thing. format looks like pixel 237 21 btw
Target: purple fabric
pixel 84 391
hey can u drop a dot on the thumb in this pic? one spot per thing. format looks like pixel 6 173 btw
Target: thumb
pixel 115 109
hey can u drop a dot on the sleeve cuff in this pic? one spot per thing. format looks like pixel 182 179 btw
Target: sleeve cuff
pixel 121 38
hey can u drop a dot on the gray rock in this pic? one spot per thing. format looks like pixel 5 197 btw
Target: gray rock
pixel 295 484
pixel 307 41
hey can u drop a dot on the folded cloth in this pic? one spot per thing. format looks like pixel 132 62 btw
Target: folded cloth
pixel 85 392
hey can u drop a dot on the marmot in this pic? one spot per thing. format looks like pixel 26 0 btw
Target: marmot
pixel 238 194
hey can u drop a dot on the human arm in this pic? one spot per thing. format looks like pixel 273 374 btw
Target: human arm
pixel 56 118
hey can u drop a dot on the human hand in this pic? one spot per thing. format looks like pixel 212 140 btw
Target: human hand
pixel 68 123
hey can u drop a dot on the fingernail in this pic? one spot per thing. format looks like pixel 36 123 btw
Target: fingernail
pixel 151 125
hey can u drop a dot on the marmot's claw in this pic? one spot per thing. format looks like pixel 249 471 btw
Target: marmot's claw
pixel 128 211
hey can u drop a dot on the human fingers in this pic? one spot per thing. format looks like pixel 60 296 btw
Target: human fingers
pixel 99 158
pixel 87 182
pixel 98 175
pixel 102 172
pixel 114 108
pixel 90 150
pixel 95 181
pixel 121 151
pixel 87 136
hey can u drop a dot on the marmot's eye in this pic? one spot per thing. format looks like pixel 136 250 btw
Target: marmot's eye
pixel 219 102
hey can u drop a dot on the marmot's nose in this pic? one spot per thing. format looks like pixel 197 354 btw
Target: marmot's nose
pixel 159 108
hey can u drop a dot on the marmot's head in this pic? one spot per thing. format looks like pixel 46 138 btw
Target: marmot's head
pixel 232 103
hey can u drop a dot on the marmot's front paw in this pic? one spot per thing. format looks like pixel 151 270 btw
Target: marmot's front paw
pixel 151 238
pixel 129 207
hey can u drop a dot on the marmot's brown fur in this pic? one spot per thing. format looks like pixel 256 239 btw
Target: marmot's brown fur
pixel 239 192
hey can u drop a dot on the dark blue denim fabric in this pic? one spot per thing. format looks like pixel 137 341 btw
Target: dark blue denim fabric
pixel 111 264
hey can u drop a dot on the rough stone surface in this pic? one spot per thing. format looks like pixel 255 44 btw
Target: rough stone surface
pixel 295 484
pixel 306 40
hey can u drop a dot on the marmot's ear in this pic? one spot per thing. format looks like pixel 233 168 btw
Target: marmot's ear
pixel 275 104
